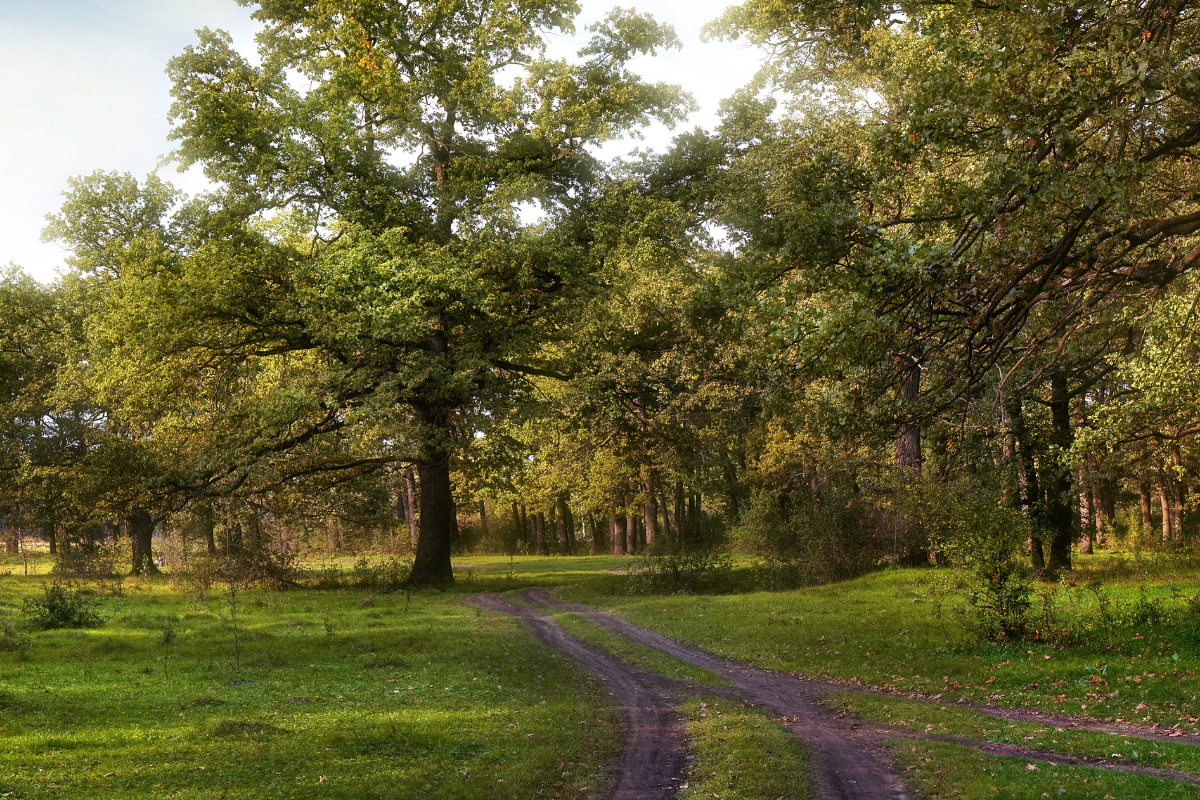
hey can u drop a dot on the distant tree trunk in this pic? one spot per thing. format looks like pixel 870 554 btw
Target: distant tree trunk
pixel 1086 515
pixel 12 542
pixel 616 533
pixel 680 510
pixel 1058 513
pixel 1102 507
pixel 483 521
pixel 649 512
pixel 1178 493
pixel 141 535
pixel 1027 481
pixel 52 536
pixel 908 436
pixel 600 543
pixel 438 523
pixel 1164 496
pixel 207 525
pixel 564 541
pixel 511 545
pixel 525 532
pixel 1144 491
pixel 539 534
pixel 666 532
pixel 631 534
pixel 572 547
pixel 410 497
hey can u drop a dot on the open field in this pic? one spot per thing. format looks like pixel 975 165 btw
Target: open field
pixel 357 693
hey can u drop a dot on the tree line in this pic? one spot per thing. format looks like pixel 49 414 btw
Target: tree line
pixel 931 251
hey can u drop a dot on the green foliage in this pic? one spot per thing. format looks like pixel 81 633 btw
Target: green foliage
pixel 815 544
pixel 978 529
pixel 691 571
pixel 63 605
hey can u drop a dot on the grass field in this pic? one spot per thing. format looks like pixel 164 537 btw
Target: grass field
pixel 356 693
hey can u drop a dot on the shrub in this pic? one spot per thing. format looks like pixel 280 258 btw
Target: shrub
pixel 689 572
pixel 804 544
pixel 97 563
pixel 985 535
pixel 62 605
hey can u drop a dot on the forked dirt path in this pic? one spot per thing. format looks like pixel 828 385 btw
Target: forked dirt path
pixel 655 756
pixel 850 758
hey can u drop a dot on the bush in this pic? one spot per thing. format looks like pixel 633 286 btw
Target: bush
pixel 62 605
pixel 805 545
pixel 985 538
pixel 387 575
pixel 701 570
pixel 98 563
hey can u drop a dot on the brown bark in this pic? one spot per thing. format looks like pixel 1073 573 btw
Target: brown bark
pixel 1026 477
pixel 511 545
pixel 649 512
pixel 564 540
pixel 525 533
pixel 908 436
pixel 141 536
pixel 437 524
pixel 1086 517
pixel 410 497
pixel 631 534
pixel 1178 493
pixel 539 534
pixel 1058 515
pixel 1144 491
pixel 680 510
pixel 616 532
pixel 207 527
pixel 1164 496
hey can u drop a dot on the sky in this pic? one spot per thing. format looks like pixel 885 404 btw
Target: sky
pixel 82 88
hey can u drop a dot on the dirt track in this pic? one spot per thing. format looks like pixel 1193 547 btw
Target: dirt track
pixel 850 759
pixel 654 759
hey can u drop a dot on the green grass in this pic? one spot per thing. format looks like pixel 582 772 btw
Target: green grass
pixel 895 629
pixel 1160 752
pixel 338 695
pixel 940 771
pixel 742 753
pixel 639 655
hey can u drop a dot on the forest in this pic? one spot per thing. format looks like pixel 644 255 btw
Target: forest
pixel 916 326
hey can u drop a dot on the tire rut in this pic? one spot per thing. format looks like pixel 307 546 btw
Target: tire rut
pixel 852 755
pixel 847 763
pixel 654 759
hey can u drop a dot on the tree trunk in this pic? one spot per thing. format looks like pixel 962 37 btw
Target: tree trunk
pixel 1178 493
pixel 1027 482
pixel 667 534
pixel 525 534
pixel 649 512
pixel 410 495
pixel 564 541
pixel 1086 515
pixel 511 545
pixel 631 534
pixel 616 533
pixel 539 534
pixel 437 524
pixel 52 536
pixel 908 436
pixel 1059 516
pixel 1164 496
pixel 483 522
pixel 599 543
pixel 680 510
pixel 207 526
pixel 1103 519
pixel 141 536
pixel 1144 491
pixel 572 547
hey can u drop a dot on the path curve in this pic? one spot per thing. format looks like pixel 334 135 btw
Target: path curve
pixel 849 763
pixel 654 759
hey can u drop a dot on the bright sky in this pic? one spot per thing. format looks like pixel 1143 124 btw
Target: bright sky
pixel 82 88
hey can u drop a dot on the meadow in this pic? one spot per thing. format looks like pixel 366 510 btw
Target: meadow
pixel 357 692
